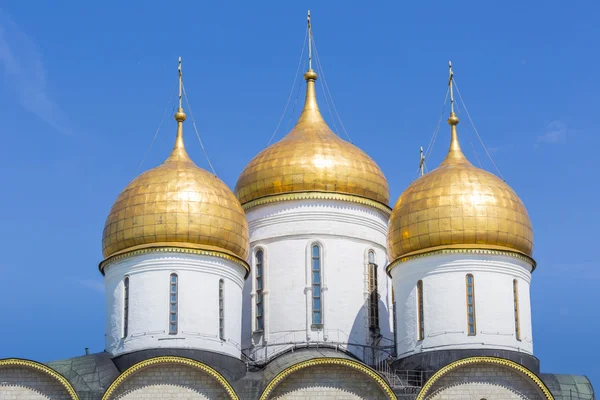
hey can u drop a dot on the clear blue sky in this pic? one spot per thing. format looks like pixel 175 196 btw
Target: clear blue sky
pixel 85 84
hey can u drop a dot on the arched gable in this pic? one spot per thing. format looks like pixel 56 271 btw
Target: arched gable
pixel 51 374
pixel 375 378
pixel 474 369
pixel 168 361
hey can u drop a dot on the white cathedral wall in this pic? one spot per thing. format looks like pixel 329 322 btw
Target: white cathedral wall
pixel 285 231
pixel 445 303
pixel 198 303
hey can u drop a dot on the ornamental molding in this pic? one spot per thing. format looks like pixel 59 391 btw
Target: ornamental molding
pixel 17 362
pixel 170 360
pixel 318 196
pixel 465 250
pixel 484 360
pixel 329 361
pixel 171 249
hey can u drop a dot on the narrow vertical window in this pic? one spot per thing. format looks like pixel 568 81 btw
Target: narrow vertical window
pixel 420 311
pixel 173 305
pixel 471 305
pixel 317 315
pixel 221 309
pixel 516 306
pixel 394 321
pixel 125 306
pixel 373 295
pixel 259 290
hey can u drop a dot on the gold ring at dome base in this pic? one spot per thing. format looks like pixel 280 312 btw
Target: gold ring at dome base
pixel 316 195
pixel 175 247
pixel 462 249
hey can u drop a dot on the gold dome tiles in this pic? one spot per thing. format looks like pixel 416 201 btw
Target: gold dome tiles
pixel 458 204
pixel 311 158
pixel 177 202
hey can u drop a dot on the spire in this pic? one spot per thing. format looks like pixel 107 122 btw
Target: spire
pixel 179 153
pixel 454 153
pixel 311 112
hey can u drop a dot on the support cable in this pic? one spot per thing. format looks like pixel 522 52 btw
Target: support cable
pixel 477 133
pixel 196 129
pixel 291 90
pixel 329 92
pixel 162 119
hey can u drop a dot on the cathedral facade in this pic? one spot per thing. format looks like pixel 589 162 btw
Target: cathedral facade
pixel 303 283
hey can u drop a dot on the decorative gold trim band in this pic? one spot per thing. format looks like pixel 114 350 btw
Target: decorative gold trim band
pixel 484 360
pixel 9 362
pixel 170 360
pixel 317 196
pixel 462 250
pixel 172 249
pixel 328 361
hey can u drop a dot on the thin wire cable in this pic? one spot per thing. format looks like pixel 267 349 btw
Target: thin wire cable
pixel 289 124
pixel 291 90
pixel 437 128
pixel 327 87
pixel 477 133
pixel 196 129
pixel 335 129
pixel 157 130
pixel 476 156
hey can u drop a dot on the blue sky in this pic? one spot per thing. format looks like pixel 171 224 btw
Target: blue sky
pixel 85 85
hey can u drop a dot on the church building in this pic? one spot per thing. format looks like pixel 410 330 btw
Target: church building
pixel 305 283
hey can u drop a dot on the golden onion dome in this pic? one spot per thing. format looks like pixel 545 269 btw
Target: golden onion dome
pixel 458 206
pixel 312 162
pixel 177 205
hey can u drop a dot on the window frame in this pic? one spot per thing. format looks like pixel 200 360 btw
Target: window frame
pixel 373 289
pixel 126 294
pixel 473 313
pixel 222 309
pixel 420 311
pixel 173 315
pixel 516 309
pixel 259 299
pixel 319 285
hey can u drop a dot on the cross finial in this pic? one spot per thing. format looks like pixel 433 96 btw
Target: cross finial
pixel 422 163
pixel 180 82
pixel 309 42
pixel 450 85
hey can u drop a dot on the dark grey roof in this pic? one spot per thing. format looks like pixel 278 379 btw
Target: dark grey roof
pixel 569 387
pixel 90 375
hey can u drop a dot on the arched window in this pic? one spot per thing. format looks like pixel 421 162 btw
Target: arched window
pixel 222 309
pixel 373 295
pixel 471 305
pixel 173 305
pixel 259 290
pixel 420 310
pixel 317 306
pixel 516 306
pixel 125 306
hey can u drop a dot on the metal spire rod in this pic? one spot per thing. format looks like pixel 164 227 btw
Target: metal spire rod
pixel 180 83
pixel 309 43
pixel 422 163
pixel 450 85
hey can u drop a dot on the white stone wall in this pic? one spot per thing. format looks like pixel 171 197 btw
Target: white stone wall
pixel 490 382
pixel 328 382
pixel 198 303
pixel 445 303
pixel 346 232
pixel 22 383
pixel 170 382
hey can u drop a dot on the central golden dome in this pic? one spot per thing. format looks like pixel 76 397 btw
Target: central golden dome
pixel 311 158
pixel 177 205
pixel 458 206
